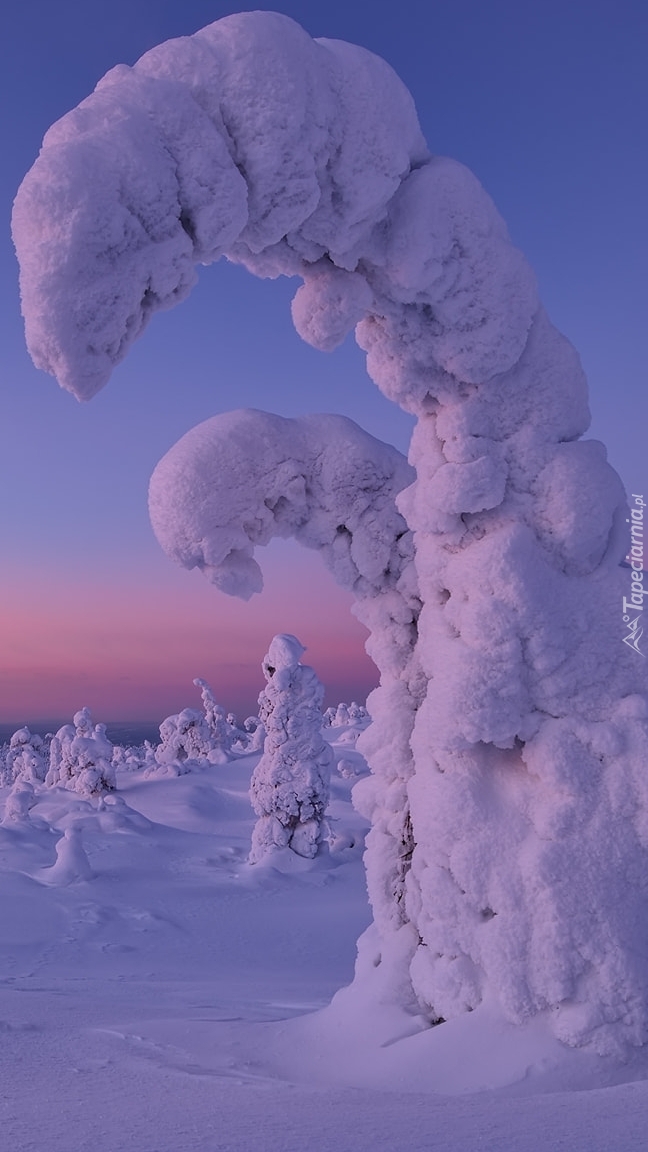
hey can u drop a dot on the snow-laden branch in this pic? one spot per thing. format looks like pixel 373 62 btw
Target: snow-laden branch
pixel 240 479
pixel 290 155
pixel 248 138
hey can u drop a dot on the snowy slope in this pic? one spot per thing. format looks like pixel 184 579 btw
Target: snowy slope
pixel 172 1002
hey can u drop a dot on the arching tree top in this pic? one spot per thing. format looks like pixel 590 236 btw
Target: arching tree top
pixel 289 155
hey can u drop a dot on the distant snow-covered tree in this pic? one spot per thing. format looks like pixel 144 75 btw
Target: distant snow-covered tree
pixel 193 739
pixel 129 758
pixel 358 715
pixel 346 722
pixel 290 784
pixel 222 727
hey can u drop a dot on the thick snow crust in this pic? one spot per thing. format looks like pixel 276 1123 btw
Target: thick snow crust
pixel 509 796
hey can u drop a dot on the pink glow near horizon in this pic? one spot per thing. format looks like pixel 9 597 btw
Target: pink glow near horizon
pixel 129 649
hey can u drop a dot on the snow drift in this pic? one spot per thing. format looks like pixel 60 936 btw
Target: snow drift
pixel 509 798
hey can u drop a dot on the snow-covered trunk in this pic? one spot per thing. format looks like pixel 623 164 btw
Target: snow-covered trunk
pixel 527 795
pixel 382 797
pixel 290 784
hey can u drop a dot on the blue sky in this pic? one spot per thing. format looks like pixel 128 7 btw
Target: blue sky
pixel 546 102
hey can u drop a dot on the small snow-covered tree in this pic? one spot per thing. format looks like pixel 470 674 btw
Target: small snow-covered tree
pixel 71 864
pixel 81 757
pixel 290 784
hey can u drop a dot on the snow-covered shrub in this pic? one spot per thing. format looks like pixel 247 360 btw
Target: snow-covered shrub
pixel 19 802
pixel 71 864
pixel 26 758
pixel 509 736
pixel 81 757
pixel 290 784
pixel 347 769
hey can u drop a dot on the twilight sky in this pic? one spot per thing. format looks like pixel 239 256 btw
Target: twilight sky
pixel 544 99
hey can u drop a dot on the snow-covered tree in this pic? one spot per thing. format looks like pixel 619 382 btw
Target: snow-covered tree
pixel 358 715
pixel 222 727
pixel 193 739
pixel 184 742
pixel 81 757
pixel 26 757
pixel 290 784
pixel 509 738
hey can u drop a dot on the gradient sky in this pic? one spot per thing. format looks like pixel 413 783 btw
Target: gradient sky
pixel 545 101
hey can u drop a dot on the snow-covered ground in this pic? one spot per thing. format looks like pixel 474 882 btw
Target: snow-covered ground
pixel 158 994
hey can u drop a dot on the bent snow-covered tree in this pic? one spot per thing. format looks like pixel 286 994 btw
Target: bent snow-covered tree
pixel 509 797
pixel 290 784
